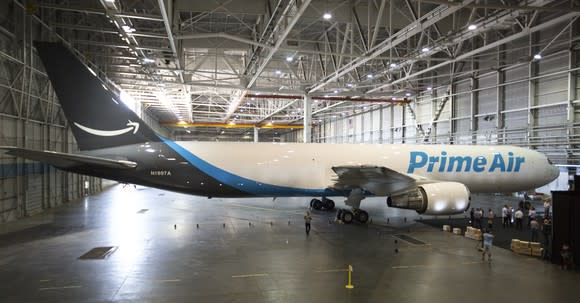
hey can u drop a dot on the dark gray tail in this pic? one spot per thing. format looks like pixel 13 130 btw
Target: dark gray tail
pixel 98 118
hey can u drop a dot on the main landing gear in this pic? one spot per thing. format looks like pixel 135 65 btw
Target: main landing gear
pixel 348 216
pixel 355 214
pixel 324 203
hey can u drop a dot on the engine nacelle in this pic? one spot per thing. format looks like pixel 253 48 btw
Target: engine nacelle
pixel 441 198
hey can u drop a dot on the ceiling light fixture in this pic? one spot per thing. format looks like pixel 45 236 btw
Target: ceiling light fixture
pixel 289 59
pixel 425 49
pixel 278 72
pixel 327 16
pixel 472 27
pixel 537 56
pixel 429 88
pixel 370 76
pixel 393 65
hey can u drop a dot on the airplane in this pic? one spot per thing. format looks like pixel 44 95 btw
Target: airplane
pixel 116 144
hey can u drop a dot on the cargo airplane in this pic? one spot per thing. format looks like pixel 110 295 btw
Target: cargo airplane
pixel 116 144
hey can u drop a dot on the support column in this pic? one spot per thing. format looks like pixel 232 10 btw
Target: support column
pixel 473 104
pixel 307 119
pixel 532 71
pixel 256 138
pixel 572 96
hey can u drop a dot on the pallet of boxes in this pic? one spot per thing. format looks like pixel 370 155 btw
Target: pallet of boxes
pixel 533 249
pixel 473 233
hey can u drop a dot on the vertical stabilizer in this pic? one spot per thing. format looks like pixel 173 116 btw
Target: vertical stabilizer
pixel 98 118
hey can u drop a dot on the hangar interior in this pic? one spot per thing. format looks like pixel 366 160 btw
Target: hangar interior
pixel 313 71
pixel 453 72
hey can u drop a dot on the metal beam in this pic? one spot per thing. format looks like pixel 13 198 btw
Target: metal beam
pixel 399 37
pixel 489 46
pixel 235 103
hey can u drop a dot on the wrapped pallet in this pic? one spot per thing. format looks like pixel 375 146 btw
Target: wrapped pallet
pixel 457 231
pixel 447 228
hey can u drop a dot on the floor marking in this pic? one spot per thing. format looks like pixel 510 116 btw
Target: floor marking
pixel 249 276
pixel 61 287
pixel 44 280
pixel 170 280
pixel 332 270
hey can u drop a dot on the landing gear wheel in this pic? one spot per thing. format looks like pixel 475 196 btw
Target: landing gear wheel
pixel 361 216
pixel 328 204
pixel 317 204
pixel 312 202
pixel 347 216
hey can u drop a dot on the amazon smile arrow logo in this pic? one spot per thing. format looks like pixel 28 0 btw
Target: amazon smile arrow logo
pixel 110 133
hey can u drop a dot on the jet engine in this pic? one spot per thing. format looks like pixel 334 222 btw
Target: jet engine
pixel 441 198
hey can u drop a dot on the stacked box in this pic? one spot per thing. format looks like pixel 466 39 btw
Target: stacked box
pixel 473 233
pixel 457 231
pixel 536 249
pixel 526 248
pixel 446 228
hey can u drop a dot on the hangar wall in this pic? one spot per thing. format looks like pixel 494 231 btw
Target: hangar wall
pixel 30 117
pixel 507 100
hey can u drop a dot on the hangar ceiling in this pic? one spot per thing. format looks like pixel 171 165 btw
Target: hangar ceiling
pixel 205 65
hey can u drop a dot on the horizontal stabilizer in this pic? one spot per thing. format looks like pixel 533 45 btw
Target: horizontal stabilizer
pixel 66 160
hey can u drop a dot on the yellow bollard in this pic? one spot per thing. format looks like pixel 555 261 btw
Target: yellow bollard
pixel 349 285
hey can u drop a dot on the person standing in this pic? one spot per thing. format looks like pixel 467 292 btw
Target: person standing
pixel 504 216
pixel 531 215
pixel 519 218
pixel 490 217
pixel 547 206
pixel 478 216
pixel 547 231
pixel 307 220
pixel 535 227
pixel 487 243
pixel 471 218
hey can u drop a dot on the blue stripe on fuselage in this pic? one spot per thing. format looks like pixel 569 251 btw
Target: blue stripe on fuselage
pixel 244 184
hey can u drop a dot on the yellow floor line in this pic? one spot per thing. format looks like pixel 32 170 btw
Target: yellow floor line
pixel 250 276
pixel 61 287
pixel 172 280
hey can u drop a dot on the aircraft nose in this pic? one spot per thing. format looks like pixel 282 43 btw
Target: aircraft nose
pixel 554 173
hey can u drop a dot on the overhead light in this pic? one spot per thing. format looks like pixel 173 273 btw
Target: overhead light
pixel 278 72
pixel 127 28
pixel 252 100
pixel 393 65
pixel 425 49
pixel 408 94
pixel 336 91
pixel 349 84
pixel 429 88
pixel 370 76
pixel 148 60
pixel 472 27
pixel 327 16
pixel 537 56
pixel 289 59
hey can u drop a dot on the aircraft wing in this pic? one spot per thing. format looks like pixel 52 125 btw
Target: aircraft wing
pixel 66 160
pixel 379 180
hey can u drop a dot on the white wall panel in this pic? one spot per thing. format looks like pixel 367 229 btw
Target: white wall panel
pixel 551 90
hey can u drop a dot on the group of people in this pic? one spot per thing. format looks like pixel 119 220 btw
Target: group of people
pixel 478 215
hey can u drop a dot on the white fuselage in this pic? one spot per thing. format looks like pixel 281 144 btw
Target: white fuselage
pixel 485 168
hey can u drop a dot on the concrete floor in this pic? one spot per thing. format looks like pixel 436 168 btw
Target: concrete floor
pixel 261 255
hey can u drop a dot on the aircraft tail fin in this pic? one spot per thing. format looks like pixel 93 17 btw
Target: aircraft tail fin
pixel 98 118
